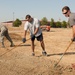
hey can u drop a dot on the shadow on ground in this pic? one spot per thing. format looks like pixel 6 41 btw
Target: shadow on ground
pixel 67 53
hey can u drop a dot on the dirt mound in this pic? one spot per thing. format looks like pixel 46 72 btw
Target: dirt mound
pixel 18 61
pixel 14 37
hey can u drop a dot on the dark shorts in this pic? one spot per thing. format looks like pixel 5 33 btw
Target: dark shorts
pixel 39 38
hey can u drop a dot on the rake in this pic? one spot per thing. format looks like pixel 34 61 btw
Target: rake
pixel 63 54
pixel 13 48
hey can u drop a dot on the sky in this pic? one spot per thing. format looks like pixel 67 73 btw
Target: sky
pixel 13 9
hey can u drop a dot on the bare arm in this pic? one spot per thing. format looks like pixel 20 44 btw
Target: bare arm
pixel 36 30
pixel 25 33
pixel 37 27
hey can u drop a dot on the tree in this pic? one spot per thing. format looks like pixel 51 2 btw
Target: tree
pixel 44 21
pixel 68 25
pixel 52 23
pixel 64 24
pixel 58 24
pixel 17 23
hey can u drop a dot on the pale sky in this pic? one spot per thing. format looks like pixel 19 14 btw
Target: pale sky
pixel 12 9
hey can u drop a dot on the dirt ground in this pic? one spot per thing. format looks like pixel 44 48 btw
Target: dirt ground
pixel 18 60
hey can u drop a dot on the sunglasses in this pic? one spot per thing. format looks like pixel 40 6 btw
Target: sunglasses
pixel 65 12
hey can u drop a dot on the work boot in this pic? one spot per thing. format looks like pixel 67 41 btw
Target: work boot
pixel 44 53
pixel 33 54
pixel 12 45
pixel 3 46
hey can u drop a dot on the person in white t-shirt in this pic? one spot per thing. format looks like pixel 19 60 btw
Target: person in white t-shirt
pixel 33 25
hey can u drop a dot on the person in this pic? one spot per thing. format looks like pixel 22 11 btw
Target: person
pixel 67 12
pixel 33 25
pixel 4 32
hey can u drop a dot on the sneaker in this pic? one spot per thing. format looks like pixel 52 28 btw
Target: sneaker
pixel 33 54
pixel 44 53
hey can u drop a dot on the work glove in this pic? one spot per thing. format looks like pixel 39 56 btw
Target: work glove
pixel 24 40
pixel 32 37
pixel 73 39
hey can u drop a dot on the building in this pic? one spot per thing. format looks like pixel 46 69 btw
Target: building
pixel 10 23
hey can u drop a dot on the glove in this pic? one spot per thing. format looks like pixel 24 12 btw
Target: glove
pixel 73 39
pixel 32 37
pixel 24 40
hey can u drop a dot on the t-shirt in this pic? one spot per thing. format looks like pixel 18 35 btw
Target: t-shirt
pixel 72 19
pixel 32 26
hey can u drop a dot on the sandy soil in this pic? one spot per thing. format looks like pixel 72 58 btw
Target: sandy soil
pixel 18 60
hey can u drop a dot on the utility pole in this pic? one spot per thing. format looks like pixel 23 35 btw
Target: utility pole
pixel 13 18
pixel 59 19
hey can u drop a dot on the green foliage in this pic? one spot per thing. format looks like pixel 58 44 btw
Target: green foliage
pixel 58 24
pixel 52 23
pixel 68 25
pixel 17 23
pixel 44 21
pixel 64 24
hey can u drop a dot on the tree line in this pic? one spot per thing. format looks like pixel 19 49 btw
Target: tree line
pixel 54 24
pixel 44 21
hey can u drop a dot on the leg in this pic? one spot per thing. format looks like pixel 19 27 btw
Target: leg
pixel 32 46
pixel 8 37
pixel 40 38
pixel 2 40
pixel 42 45
pixel 3 45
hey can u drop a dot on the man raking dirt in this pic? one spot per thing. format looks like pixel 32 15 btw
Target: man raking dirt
pixel 66 11
pixel 33 25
